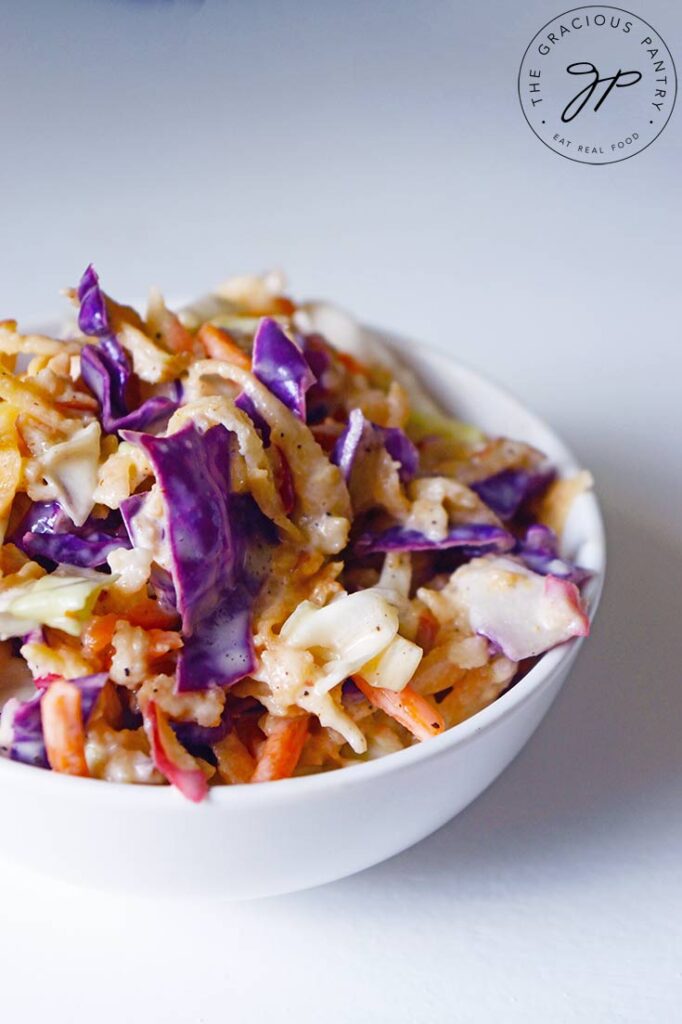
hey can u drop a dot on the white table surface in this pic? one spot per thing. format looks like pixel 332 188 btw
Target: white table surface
pixel 377 152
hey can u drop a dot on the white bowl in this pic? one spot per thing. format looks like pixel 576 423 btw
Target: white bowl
pixel 277 837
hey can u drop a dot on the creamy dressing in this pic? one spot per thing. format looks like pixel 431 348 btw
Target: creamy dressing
pixel 69 471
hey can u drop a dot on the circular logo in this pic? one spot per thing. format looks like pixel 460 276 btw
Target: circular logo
pixel 597 84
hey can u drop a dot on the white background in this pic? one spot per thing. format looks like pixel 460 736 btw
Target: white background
pixel 377 151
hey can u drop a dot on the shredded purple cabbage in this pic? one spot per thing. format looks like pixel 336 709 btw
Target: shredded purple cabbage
pixel 282 368
pixel 506 492
pixel 401 449
pixel 346 448
pixel 246 404
pixel 129 508
pixel 90 688
pixel 193 473
pixel 219 652
pixel 539 550
pixel 360 432
pixel 28 744
pixel 46 532
pixel 106 369
pixel 280 365
pixel 196 738
pixel 319 361
pixel 472 538
pixel 208 539
pixel 317 357
pixel 93 318
pixel 160 580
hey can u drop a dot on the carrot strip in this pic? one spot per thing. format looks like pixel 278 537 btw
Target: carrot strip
pixel 352 364
pixel 147 614
pixel 99 633
pixel 138 611
pixel 282 306
pixel 407 707
pixel 63 731
pixel 161 641
pixel 219 344
pixel 427 630
pixel 172 331
pixel 280 753
pixel 275 305
pixel 235 763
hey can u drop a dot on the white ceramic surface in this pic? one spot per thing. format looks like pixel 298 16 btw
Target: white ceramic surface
pixel 250 841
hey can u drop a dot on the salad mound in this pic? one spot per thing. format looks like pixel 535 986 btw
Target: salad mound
pixel 233 553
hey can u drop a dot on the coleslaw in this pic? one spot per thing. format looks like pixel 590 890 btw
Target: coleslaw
pixel 233 552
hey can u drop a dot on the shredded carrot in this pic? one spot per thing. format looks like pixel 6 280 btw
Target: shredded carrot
pixel 250 733
pixel 235 763
pixel 138 611
pixel 427 630
pixel 476 688
pixel 99 632
pixel 407 707
pixel 161 641
pixel 219 344
pixel 352 364
pixel 283 306
pixel 175 334
pixel 276 305
pixel 147 614
pixel 279 754
pixel 63 731
pixel 436 672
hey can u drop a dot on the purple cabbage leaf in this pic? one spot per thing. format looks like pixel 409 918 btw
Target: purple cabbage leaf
pixel 507 491
pixel 196 738
pixel 281 367
pixel 46 532
pixel 360 432
pixel 539 550
pixel 471 538
pixel 28 744
pixel 247 405
pixel 106 369
pixel 93 317
pixel 213 570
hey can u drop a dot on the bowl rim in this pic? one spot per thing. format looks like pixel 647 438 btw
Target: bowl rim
pixel 167 798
